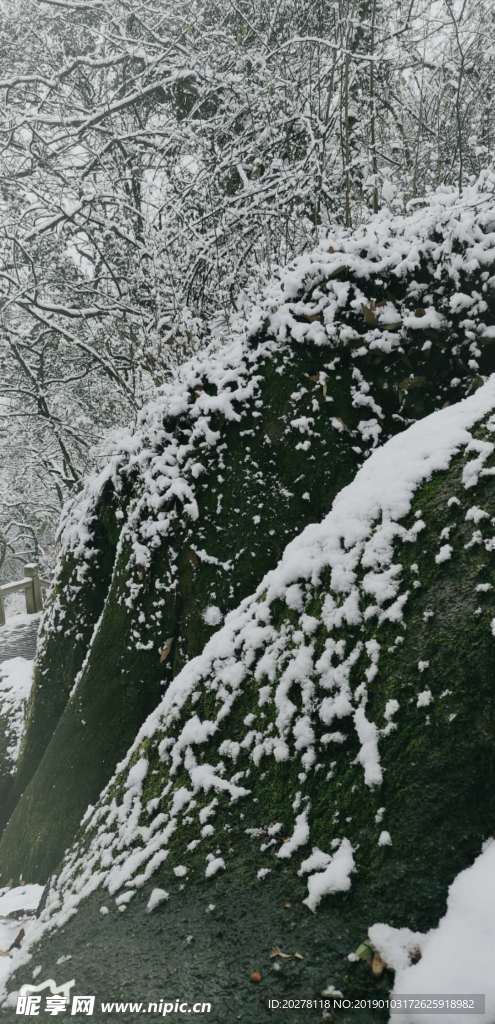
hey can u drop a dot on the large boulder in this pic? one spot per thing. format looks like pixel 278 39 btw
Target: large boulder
pixel 325 764
pixel 246 445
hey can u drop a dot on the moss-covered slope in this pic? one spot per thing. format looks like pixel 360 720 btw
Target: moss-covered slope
pixel 326 762
pixel 249 443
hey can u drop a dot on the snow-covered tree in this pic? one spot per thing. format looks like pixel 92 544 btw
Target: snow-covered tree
pixel 158 162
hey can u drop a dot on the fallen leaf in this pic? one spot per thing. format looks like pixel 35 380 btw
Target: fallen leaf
pixel 192 558
pixel 277 952
pixel 165 650
pixel 369 313
pixel 312 318
pixel 338 424
pixel 377 965
pixel 365 951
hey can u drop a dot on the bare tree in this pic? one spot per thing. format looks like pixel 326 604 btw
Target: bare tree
pixel 158 162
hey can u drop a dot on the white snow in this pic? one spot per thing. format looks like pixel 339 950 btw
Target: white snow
pixel 457 955
pixel 424 699
pixel 298 838
pixel 157 897
pixel 423 320
pixel 361 535
pixel 21 900
pixel 137 774
pixel 359 539
pixel 389 245
pixel 334 878
pixel 391 708
pixel 215 865
pixel 317 861
pixel 16 678
pixel 368 756
pixel 395 945
pixel 21 897
pixel 212 615
pixel 444 554
pixel 384 839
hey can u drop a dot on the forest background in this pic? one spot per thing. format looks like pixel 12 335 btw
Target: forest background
pixel 160 160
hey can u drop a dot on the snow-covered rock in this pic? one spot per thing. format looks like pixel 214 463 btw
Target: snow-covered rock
pixel 454 959
pixel 248 443
pixel 271 754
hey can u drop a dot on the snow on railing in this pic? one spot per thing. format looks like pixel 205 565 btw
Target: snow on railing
pixel 30 586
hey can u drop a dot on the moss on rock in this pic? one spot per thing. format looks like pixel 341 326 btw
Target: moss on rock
pixel 352 696
pixel 74 605
pixel 250 442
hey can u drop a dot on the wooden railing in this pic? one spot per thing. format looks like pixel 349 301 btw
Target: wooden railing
pixel 30 586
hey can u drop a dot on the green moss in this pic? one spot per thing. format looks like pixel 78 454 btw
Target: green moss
pixel 438 792
pixel 264 480
pixel 74 605
pixel 255 471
